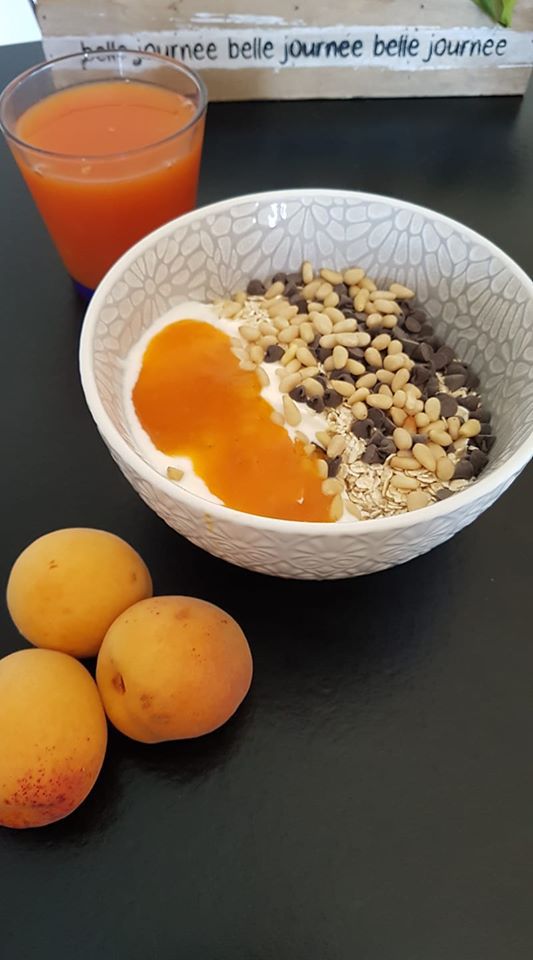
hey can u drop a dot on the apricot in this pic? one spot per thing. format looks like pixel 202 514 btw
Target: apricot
pixel 66 588
pixel 53 736
pixel 171 668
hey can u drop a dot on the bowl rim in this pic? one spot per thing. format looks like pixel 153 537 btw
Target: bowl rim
pixel 463 498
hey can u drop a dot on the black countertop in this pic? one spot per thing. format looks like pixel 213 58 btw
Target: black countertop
pixel 373 798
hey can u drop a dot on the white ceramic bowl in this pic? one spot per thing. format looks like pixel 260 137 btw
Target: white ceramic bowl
pixel 477 298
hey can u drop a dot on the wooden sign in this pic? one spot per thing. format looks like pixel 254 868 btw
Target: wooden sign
pixel 343 48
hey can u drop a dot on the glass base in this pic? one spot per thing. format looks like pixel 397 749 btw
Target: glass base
pixel 84 292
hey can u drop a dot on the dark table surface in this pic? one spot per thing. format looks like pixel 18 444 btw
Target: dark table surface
pixel 373 798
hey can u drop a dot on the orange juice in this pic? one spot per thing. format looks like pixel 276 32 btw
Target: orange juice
pixel 113 160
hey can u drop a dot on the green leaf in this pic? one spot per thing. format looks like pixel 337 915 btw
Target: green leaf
pixel 499 10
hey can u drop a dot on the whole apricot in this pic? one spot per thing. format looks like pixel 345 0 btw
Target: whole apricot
pixel 53 736
pixel 172 668
pixel 66 588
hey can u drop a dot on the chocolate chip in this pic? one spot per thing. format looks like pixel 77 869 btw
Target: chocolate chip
pixel 444 494
pixel 333 466
pixel 478 459
pixel 255 288
pixel 387 426
pixel 443 357
pixel 464 470
pixel 472 380
pixel 273 353
pixel 345 300
pixel 362 428
pixel 485 443
pixel 298 394
pixel 341 290
pixel 456 367
pixel 371 454
pixel 290 290
pixel 419 314
pixel 376 437
pixel 332 398
pixel 342 375
pixel 419 438
pixel 298 301
pixel 426 331
pixel 412 324
pixel 356 353
pixel 432 386
pixel 483 414
pixel 387 446
pixel 279 277
pixel 420 374
pixel 316 404
pixel 322 379
pixel 376 416
pixel 470 402
pixel 423 353
pixel 409 346
pixel 295 277
pixel 448 405
pixel 361 318
pixel 455 381
pixel 323 353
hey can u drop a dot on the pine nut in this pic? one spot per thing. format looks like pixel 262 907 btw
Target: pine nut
pixel 275 290
pixel 309 449
pixel 290 333
pixel 363 339
pixel 460 444
pixel 323 438
pixel 340 357
pixel 367 284
pixel 401 292
pixel 373 321
pixel 359 410
pixel 331 487
pixel 289 354
pixel 249 333
pixel 345 389
pixel 400 379
pixel 306 332
pixel 385 390
pixel 389 321
pixel 328 341
pixel 280 323
pixel 311 288
pixel 404 463
pixel 437 451
pixel 293 366
pixel 432 408
pixel 382 295
pixel 310 372
pixel 470 429
pixel 353 290
pixel 332 276
pixel 307 272
pixel 360 300
pixel 322 468
pixel 304 355
pixel 323 290
pixel 421 419
pixel 267 329
pixel 385 376
pixel 397 416
pixel 402 439
pixel 280 308
pixel 173 473
pixel 230 309
pixel 454 425
pixel 373 357
pixel 348 339
pixel 277 418
pixel 313 388
pixel 289 383
pixel 257 354
pixel 382 341
pixel 348 325
pixel 412 390
pixel 336 316
pixel 292 414
pixel 329 364
pixel 387 307
pixel 247 365
pixel 240 297
pixel 395 362
pixel 417 499
pixel 353 509
pixel 413 406
pixel 336 446
pixel 353 275
pixel 262 376
pixel 313 305
pixel 395 346
pixel 337 508
pixel 321 323
pixel 367 380
pixel 424 456
pixel 442 437
pixel 404 483
pixel 399 397
pixel 379 401
pixel 445 468
pixel 355 367
pixel 359 395
pixel 332 300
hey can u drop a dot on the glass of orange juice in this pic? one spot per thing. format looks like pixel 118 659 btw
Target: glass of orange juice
pixel 109 145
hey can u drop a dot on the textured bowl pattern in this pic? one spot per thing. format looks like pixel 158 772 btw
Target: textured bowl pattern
pixel 478 299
